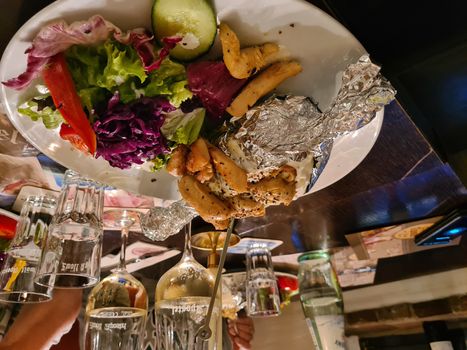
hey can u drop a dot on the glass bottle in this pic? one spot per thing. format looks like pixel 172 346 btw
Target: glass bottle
pixel 321 300
pixel 183 295
pixel 71 252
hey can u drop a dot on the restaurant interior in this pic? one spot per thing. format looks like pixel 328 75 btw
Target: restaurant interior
pixel 387 210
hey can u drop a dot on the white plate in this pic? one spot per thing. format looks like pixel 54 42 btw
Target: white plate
pixel 9 214
pixel 323 46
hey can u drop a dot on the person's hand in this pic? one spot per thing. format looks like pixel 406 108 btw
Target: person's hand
pixel 241 332
pixel 39 326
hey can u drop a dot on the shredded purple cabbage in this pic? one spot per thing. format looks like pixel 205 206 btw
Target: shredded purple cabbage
pixel 130 134
pixel 214 86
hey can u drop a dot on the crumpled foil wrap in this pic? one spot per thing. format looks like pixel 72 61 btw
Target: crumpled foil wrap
pixel 290 128
pixel 159 223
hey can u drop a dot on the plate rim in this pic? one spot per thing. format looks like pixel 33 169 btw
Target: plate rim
pixel 9 214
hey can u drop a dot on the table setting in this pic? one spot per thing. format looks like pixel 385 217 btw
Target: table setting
pixel 187 110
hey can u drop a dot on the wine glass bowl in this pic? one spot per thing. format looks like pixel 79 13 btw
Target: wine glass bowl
pixel 119 218
pixel 183 295
pixel 120 289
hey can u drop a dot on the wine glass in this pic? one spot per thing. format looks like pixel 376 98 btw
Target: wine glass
pixel 183 294
pixel 117 306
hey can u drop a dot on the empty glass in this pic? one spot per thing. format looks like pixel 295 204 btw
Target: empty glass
pixel 72 251
pixel 262 293
pixel 19 269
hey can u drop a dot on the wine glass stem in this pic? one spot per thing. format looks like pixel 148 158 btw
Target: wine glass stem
pixel 187 251
pixel 122 265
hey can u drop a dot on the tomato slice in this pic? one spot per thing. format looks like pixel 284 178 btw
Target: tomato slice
pixel 57 78
pixel 7 227
pixel 67 133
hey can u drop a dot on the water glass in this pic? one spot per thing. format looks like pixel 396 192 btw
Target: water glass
pixel 19 269
pixel 262 293
pixel 115 328
pixel 72 249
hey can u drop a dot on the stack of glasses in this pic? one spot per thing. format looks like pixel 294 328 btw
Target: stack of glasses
pixel 58 244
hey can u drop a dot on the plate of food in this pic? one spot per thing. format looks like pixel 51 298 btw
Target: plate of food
pixel 151 97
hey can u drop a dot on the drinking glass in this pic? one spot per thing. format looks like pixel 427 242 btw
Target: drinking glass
pixel 72 250
pixel 262 293
pixel 18 271
pixel 117 306
pixel 183 294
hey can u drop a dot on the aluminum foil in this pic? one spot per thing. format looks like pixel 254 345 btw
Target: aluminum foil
pixel 159 223
pixel 288 129
pixel 273 133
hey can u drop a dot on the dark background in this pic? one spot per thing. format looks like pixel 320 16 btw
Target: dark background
pixel 422 46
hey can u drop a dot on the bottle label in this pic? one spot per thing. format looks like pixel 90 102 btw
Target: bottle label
pixel 441 345
pixel 331 331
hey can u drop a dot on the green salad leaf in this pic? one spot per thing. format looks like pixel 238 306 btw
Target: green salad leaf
pixel 122 63
pixel 42 108
pixel 112 67
pixel 169 80
pixel 159 162
pixel 107 65
pixel 183 128
pixel 179 93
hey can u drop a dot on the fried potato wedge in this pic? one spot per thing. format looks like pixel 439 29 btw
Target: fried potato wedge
pixel 244 207
pixel 220 224
pixel 205 174
pixel 198 195
pixel 177 162
pixel 199 161
pixel 246 62
pixel 264 83
pixel 234 176
pixel 286 172
pixel 273 191
pixel 198 157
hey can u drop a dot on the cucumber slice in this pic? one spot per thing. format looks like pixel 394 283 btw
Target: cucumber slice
pixel 194 20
